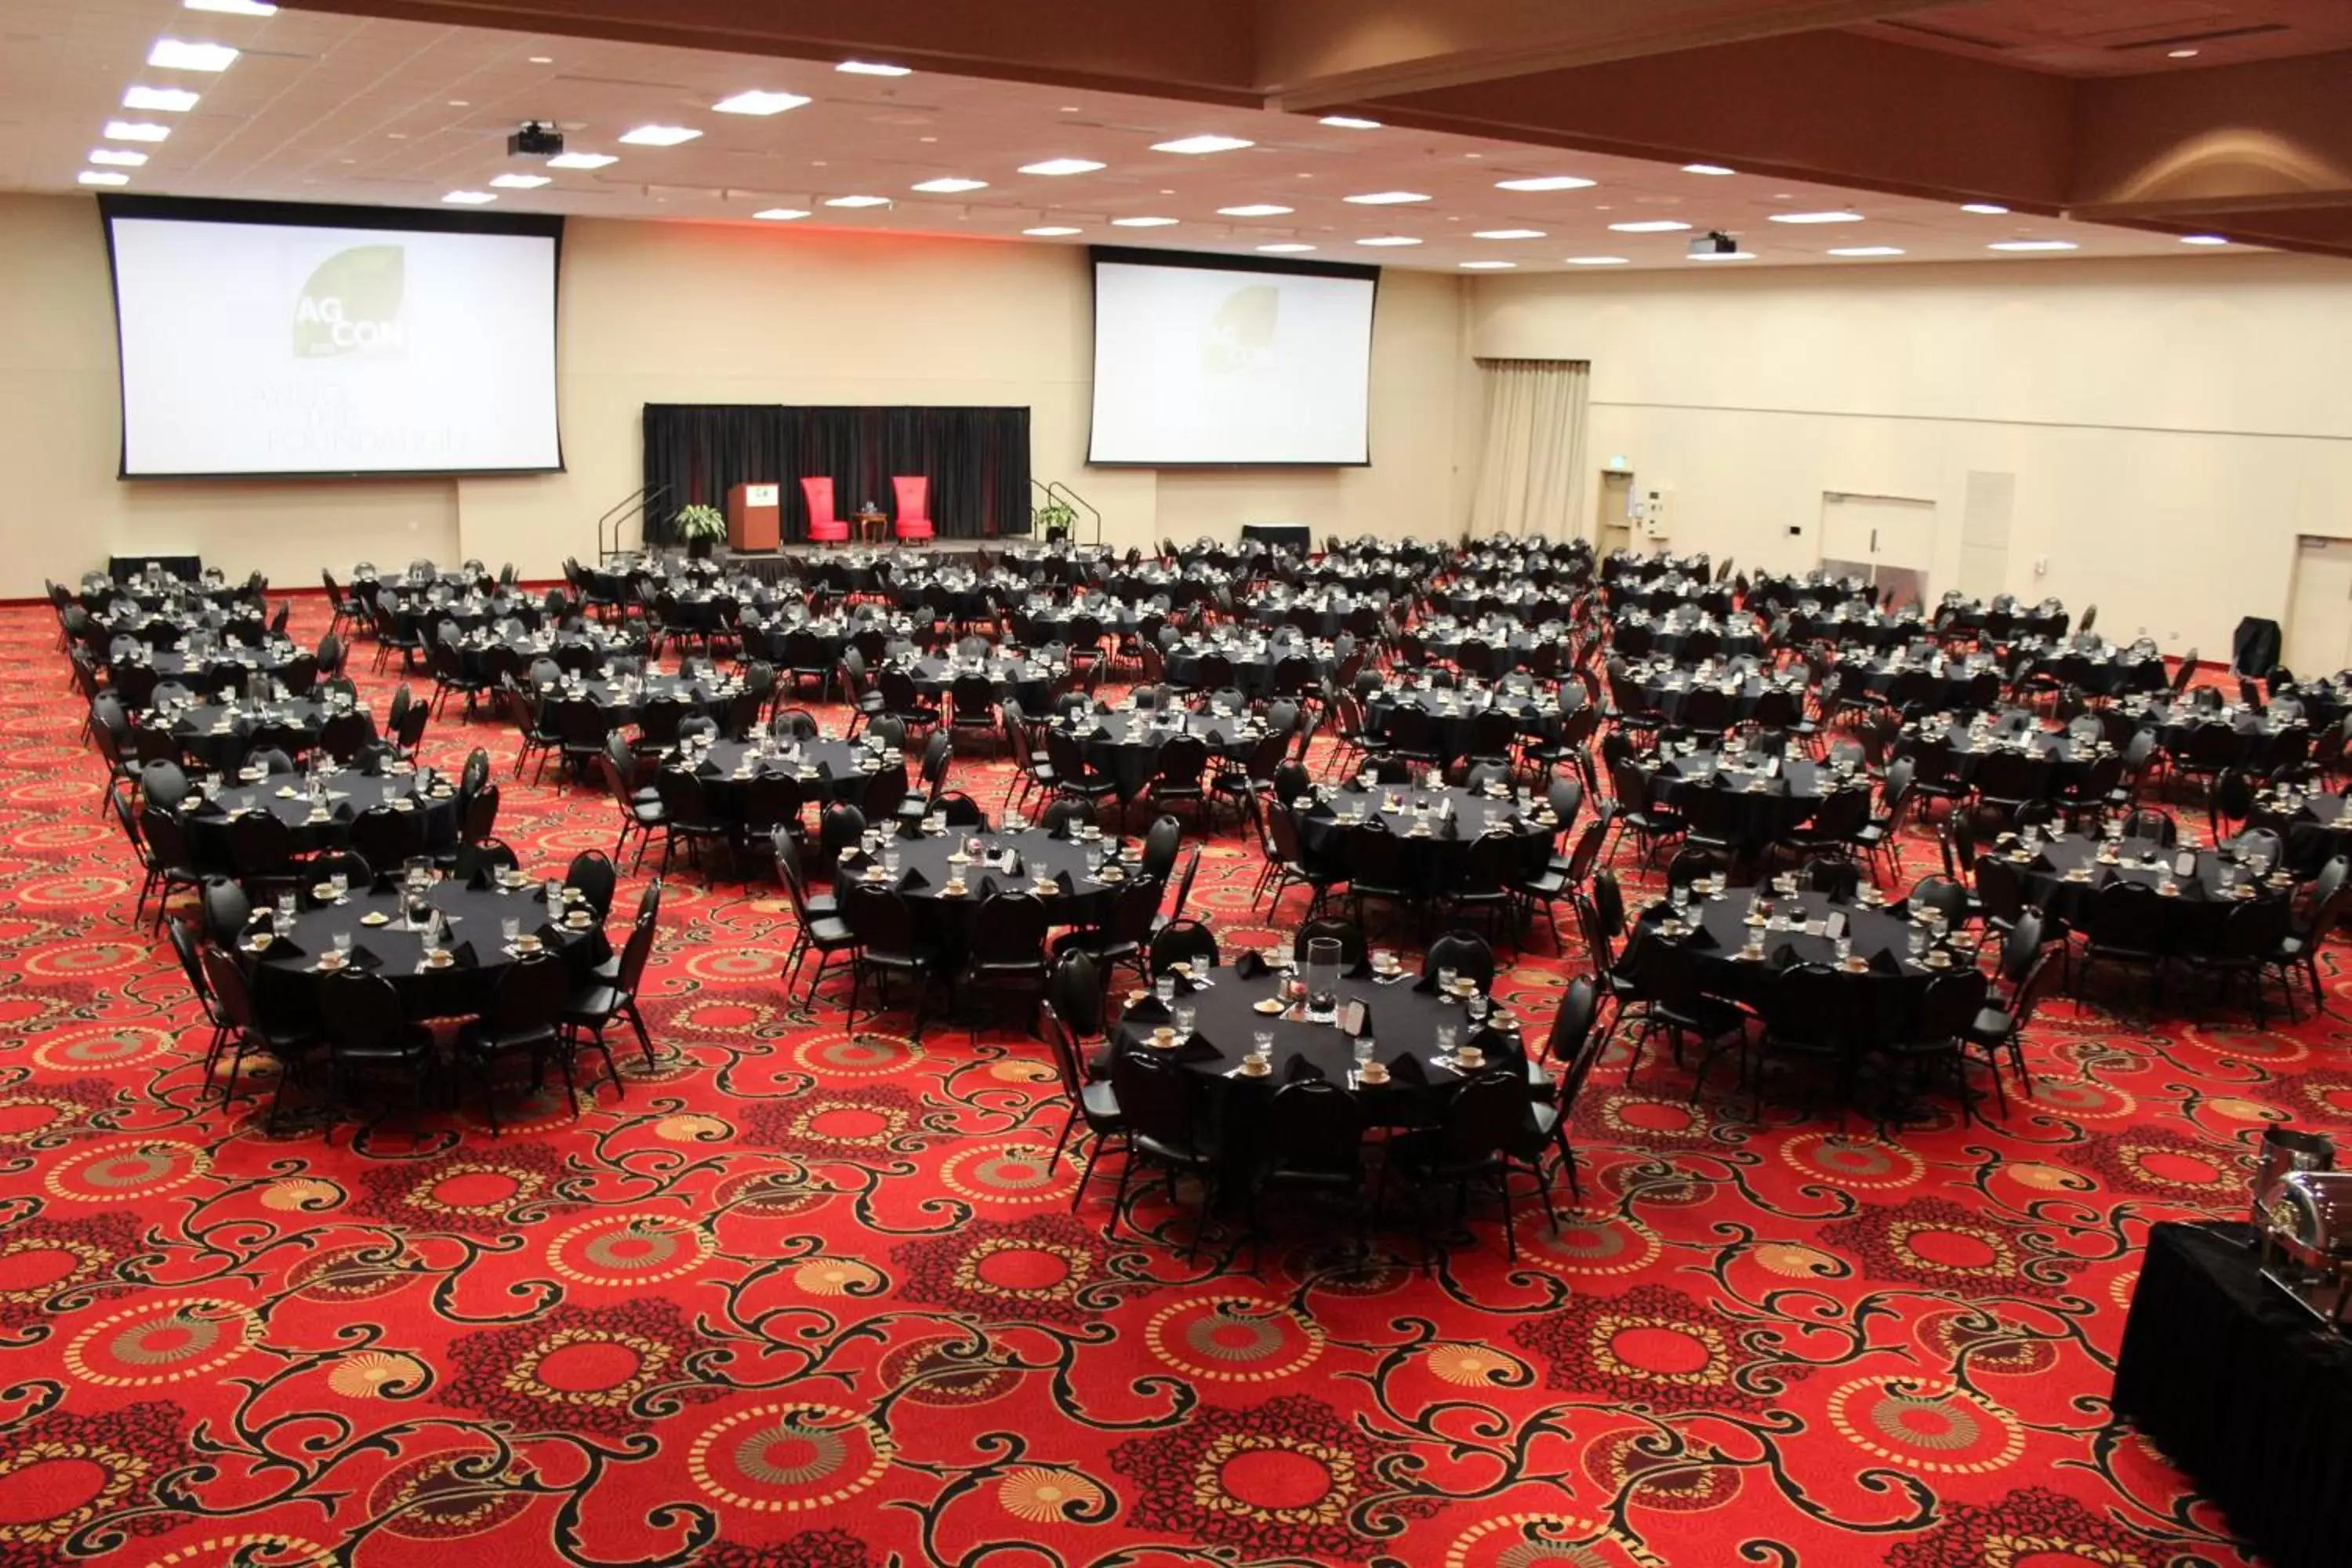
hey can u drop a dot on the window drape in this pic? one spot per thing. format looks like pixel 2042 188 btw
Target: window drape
pixel 977 459
pixel 1531 456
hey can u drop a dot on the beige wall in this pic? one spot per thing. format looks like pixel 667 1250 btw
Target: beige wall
pixel 2172 424
pixel 677 312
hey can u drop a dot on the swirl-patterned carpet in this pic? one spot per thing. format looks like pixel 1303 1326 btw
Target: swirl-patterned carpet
pixel 808 1298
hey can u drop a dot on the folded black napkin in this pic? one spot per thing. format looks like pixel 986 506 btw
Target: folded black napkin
pixel 1300 1070
pixel 1784 955
pixel 1427 983
pixel 1099 732
pixel 1148 1011
pixel 342 811
pixel 706 770
pixel 1701 940
pixel 1884 962
pixel 1197 1049
pixel 1062 880
pixel 1405 1068
pixel 1252 965
pixel 283 947
pixel 913 882
pixel 1360 970
pixel 365 958
pixel 988 887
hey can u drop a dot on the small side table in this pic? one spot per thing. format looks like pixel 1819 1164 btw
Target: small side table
pixel 873 525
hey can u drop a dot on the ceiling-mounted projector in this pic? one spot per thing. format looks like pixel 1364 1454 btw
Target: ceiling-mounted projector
pixel 1715 242
pixel 537 139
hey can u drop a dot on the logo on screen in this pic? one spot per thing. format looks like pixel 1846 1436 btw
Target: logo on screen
pixel 352 304
pixel 1240 334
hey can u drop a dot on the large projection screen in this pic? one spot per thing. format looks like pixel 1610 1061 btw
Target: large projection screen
pixel 1214 360
pixel 280 340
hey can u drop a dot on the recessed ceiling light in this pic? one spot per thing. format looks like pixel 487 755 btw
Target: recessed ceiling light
pixel 1285 249
pixel 1723 256
pixel 542 60
pixel 780 215
pixel 580 160
pixel 1141 221
pixel 1198 144
pixel 103 177
pixel 232 7
pixel 1509 234
pixel 135 131
pixel 950 185
pixel 1052 231
pixel 469 198
pixel 1707 169
pixel 1651 225
pixel 1349 122
pixel 2180 54
pixel 1390 239
pixel 1817 217
pixel 1487 265
pixel 117 157
pixel 1385 199
pixel 1596 261
pixel 872 68
pixel 1062 166
pixel 2033 245
pixel 757 102
pixel 857 201
pixel 171 54
pixel 1255 209
pixel 1867 250
pixel 1985 209
pixel 521 182
pixel 1544 183
pixel 2185 239
pixel 658 135
pixel 162 99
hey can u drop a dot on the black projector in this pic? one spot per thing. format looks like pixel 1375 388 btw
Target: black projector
pixel 1714 243
pixel 537 139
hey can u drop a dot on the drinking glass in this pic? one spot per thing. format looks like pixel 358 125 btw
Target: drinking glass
pixel 1682 897
pixel 1445 978
pixel 1164 988
pixel 509 929
pixel 1446 1036
pixel 1476 1008
pixel 1363 1046
pixel 1322 977
pixel 1918 943
pixel 1182 1016
pixel 1844 948
pixel 344 945
pixel 890 861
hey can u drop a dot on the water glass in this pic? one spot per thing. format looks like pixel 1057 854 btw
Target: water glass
pixel 1363 1046
pixel 509 929
pixel 1164 988
pixel 1182 1016
pixel 553 895
pixel 1445 978
pixel 1844 948
pixel 1477 1008
pixel 1446 1037
pixel 344 945
pixel 339 884
pixel 890 861
pixel 1682 897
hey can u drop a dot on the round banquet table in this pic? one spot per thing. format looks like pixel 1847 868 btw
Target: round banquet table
pixel 1886 993
pixel 1761 807
pixel 1515 602
pixel 2108 672
pixel 707 693
pixel 215 735
pixel 315 824
pixel 828 771
pixel 584 649
pixel 1858 625
pixel 1510 644
pixel 1404 1019
pixel 1453 712
pixel 285 983
pixel 943 920
pixel 1323 615
pixel 1253 660
pixel 2062 874
pixel 1436 859
pixel 214 672
pixel 1125 743
pixel 1667 689
pixel 2060 760
pixel 1050 622
pixel 1027 682
pixel 2313 828
pixel 2258 734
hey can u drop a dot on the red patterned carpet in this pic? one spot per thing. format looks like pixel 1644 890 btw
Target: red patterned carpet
pixel 804 1298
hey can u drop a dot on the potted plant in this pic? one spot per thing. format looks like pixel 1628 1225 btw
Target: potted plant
pixel 702 527
pixel 1054 520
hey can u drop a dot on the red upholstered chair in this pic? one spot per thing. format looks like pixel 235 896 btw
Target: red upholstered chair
pixel 825 525
pixel 914 505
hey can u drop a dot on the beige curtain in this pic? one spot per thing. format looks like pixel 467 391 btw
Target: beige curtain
pixel 1531 451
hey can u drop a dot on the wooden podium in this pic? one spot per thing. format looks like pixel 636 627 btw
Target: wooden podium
pixel 752 518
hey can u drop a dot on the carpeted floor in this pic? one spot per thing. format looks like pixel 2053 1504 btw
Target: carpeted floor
pixel 808 1298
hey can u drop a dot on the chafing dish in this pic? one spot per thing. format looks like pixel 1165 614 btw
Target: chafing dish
pixel 2307 1241
pixel 2285 1151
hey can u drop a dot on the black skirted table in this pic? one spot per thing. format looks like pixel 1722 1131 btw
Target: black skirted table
pixel 315 823
pixel 2244 1390
pixel 1280 535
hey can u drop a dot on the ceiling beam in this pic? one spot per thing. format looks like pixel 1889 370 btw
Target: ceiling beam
pixel 2241 139
pixel 1326 54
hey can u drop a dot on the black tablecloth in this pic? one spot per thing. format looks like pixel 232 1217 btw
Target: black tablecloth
pixel 2244 1390
pixel 1280 535
pixel 123 568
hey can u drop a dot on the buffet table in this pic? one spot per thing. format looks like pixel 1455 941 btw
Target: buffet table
pixel 2245 1391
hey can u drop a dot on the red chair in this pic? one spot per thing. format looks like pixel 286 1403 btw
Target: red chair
pixel 825 526
pixel 913 506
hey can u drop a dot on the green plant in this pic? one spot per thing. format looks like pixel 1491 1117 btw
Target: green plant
pixel 700 521
pixel 1053 514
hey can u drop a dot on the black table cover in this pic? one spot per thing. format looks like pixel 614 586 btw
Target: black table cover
pixel 1280 535
pixel 2243 1389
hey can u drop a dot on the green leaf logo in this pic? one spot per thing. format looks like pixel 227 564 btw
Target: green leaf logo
pixel 352 303
pixel 1240 336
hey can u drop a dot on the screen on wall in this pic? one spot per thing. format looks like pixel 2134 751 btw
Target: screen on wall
pixel 1207 359
pixel 269 338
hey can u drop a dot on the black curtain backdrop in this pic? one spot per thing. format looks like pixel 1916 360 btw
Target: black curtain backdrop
pixel 976 458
